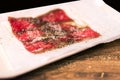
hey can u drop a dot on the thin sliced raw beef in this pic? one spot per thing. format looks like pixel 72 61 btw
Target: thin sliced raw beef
pixel 49 31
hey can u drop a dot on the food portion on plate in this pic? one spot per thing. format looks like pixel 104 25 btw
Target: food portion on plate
pixel 52 30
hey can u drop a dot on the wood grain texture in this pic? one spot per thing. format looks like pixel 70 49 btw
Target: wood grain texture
pixel 101 62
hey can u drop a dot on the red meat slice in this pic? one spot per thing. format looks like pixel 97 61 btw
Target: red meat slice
pixel 68 27
pixel 39 46
pixel 57 15
pixel 20 24
pixel 84 33
pixel 29 35
pixel 30 31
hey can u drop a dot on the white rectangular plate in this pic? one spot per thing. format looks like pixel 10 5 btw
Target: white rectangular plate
pixel 15 60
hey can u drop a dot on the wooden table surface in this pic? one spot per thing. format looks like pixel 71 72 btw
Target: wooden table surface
pixel 101 62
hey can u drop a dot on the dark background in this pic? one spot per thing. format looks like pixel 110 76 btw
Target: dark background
pixel 13 5
pixel 114 3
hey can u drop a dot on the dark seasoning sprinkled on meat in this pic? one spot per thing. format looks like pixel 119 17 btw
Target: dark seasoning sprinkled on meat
pixel 49 31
